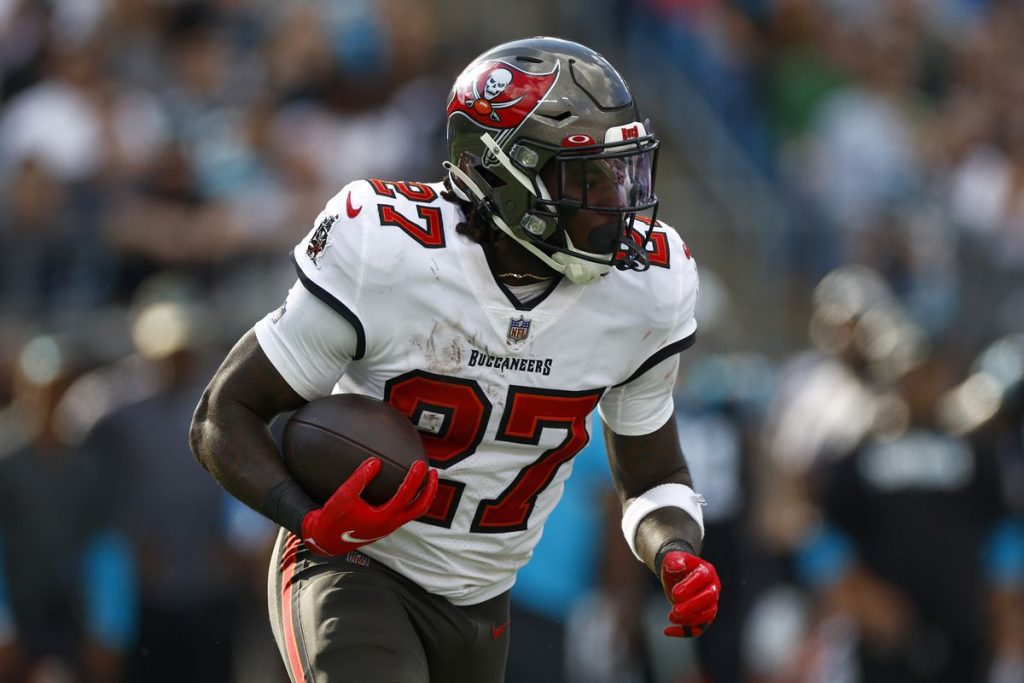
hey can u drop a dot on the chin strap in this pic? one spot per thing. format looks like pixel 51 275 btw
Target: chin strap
pixel 578 271
pixel 455 173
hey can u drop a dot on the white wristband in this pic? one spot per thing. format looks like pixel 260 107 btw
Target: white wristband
pixel 666 495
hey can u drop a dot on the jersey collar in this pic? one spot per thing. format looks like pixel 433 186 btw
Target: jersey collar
pixel 498 302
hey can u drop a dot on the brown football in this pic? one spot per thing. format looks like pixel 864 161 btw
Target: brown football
pixel 325 441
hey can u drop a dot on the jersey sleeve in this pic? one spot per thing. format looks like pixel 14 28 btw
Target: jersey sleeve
pixel 331 261
pixel 643 405
pixel 643 402
pixel 318 331
pixel 308 343
pixel 676 295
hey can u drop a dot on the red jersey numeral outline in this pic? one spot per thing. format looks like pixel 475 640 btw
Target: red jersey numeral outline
pixel 663 246
pixel 430 234
pixel 657 245
pixel 462 403
pixel 527 412
pixel 465 412
pixel 415 192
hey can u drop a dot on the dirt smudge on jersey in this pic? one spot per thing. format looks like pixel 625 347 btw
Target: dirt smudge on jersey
pixel 496 395
pixel 442 348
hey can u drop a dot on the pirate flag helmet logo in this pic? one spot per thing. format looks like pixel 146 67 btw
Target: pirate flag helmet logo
pixel 498 95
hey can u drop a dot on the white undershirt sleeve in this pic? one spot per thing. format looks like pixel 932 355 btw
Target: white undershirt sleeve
pixel 308 343
pixel 644 404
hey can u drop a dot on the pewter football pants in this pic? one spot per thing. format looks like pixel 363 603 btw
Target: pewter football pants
pixel 349 618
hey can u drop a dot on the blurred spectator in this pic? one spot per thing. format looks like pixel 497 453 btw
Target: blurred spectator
pixel 988 408
pixel 67 588
pixel 806 64
pixel 62 140
pixel 718 408
pixel 38 266
pixel 825 402
pixel 828 396
pixel 863 158
pixel 23 31
pixel 191 574
pixel 914 249
pixel 716 46
pixel 56 122
pixel 906 515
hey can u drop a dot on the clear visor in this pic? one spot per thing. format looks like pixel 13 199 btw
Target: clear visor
pixel 619 182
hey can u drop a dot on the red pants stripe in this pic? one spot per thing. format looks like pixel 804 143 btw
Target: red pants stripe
pixel 289 558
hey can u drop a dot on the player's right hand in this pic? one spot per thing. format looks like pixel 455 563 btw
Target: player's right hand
pixel 346 521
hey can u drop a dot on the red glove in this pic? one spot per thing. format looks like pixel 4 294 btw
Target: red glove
pixel 693 587
pixel 346 521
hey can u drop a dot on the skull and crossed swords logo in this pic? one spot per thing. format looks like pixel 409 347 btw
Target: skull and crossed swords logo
pixel 497 81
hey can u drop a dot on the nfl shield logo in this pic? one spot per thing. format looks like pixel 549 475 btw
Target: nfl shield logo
pixel 518 329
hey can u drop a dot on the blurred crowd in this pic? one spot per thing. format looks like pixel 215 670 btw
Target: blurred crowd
pixel 862 458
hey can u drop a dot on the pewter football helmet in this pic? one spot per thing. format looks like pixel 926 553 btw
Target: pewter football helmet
pixel 528 104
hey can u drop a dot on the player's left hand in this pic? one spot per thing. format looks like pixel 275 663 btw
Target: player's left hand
pixel 692 586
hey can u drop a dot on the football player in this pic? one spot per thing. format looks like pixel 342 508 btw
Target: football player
pixel 497 309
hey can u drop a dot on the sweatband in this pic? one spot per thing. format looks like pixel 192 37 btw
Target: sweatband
pixel 674 545
pixel 287 505
pixel 665 495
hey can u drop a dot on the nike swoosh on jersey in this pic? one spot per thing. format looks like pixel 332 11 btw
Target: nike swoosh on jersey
pixel 349 538
pixel 349 209
pixel 496 631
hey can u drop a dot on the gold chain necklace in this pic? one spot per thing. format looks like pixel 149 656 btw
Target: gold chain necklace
pixel 525 276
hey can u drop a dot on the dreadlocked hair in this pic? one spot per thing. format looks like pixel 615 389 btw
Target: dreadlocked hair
pixel 475 227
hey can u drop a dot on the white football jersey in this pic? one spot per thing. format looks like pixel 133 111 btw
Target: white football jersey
pixel 499 391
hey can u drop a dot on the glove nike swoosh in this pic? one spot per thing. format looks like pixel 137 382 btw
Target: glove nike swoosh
pixel 349 538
